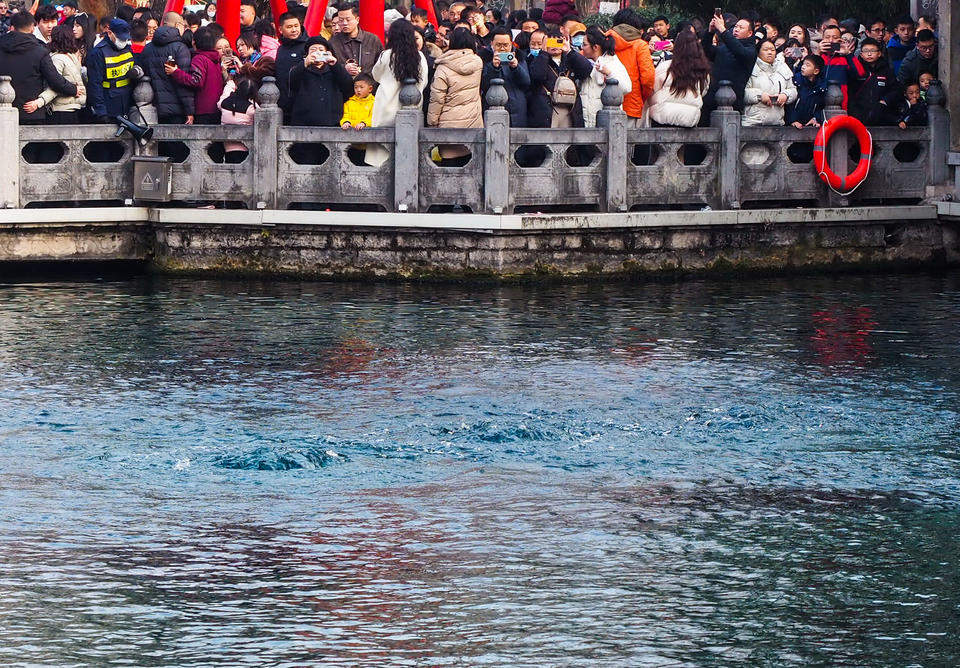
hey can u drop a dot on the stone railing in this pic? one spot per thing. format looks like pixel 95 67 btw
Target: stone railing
pixel 612 167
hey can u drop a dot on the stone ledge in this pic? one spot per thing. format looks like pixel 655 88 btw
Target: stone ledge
pixel 472 222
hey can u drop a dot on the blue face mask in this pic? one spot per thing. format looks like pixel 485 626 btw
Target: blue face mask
pixel 577 42
pixel 534 52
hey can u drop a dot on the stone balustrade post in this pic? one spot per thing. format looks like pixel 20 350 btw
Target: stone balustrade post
pixel 143 112
pixel 496 169
pixel 9 147
pixel 839 143
pixel 406 149
pixel 939 122
pixel 264 152
pixel 614 120
pixel 727 119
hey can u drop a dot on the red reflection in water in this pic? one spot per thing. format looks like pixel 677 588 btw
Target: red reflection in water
pixel 842 335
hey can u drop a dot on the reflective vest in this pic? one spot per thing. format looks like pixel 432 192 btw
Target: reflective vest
pixel 117 71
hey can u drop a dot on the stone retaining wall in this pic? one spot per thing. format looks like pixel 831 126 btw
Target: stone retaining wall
pixel 398 246
pixel 404 253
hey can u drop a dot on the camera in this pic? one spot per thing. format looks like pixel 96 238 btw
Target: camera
pixel 506 57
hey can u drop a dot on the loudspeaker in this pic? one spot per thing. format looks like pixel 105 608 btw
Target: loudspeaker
pixel 141 133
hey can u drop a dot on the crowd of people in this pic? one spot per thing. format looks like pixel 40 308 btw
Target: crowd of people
pixel 71 67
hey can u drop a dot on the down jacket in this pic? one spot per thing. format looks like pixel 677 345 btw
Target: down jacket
pixel 170 98
pixel 634 53
pixel 592 87
pixel 455 91
pixel 667 108
pixel 772 79
pixel 68 65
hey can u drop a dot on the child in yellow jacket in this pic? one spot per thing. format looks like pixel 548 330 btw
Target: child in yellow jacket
pixel 358 110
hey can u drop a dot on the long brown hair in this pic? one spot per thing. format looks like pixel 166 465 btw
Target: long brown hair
pixel 689 69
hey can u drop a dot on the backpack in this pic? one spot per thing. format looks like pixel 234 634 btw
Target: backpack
pixel 564 91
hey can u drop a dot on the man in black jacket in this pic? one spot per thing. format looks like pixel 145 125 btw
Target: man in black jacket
pixel 733 58
pixel 175 103
pixel 293 45
pixel 922 59
pixel 516 77
pixel 30 68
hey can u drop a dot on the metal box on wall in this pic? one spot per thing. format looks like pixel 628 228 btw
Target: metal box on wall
pixel 152 178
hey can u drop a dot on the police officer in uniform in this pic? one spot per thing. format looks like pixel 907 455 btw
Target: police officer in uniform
pixel 110 73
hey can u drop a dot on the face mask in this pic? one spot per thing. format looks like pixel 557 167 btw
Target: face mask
pixel 534 52
pixel 577 42
pixel 121 44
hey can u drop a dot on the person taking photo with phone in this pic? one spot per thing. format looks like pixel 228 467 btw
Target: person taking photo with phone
pixel 555 76
pixel 506 64
pixel 734 55
pixel 318 86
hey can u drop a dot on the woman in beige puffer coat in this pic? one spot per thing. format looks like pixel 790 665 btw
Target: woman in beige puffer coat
pixel 455 91
pixel 65 110
pixel 769 90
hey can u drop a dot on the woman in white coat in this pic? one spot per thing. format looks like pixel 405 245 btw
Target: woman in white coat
pixel 769 90
pixel 679 84
pixel 401 60
pixel 599 49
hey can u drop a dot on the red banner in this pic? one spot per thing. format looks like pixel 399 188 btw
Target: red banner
pixel 431 12
pixel 277 7
pixel 371 17
pixel 228 16
pixel 174 6
pixel 313 24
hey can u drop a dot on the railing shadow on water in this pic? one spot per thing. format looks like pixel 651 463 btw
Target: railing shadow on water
pixel 495 169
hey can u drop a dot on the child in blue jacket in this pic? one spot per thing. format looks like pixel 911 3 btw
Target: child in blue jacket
pixel 812 90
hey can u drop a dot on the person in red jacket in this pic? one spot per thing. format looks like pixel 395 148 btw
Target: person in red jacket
pixel 204 77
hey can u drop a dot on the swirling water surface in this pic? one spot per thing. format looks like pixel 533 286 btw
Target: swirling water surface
pixel 198 472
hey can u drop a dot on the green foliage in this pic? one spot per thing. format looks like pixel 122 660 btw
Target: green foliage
pixel 604 21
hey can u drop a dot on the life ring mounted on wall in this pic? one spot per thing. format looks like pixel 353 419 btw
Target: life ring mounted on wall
pixel 843 185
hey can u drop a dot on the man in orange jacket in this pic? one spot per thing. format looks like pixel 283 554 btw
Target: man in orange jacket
pixel 634 52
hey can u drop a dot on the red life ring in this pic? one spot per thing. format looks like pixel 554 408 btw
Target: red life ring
pixel 852 181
